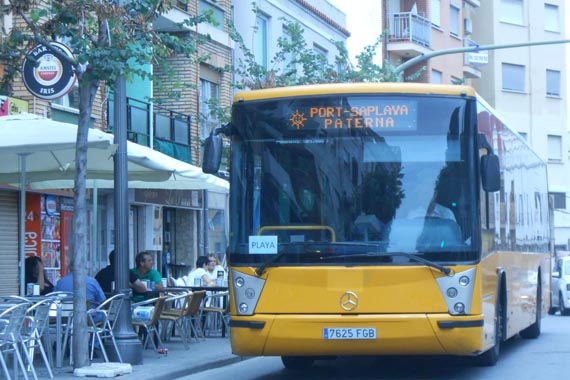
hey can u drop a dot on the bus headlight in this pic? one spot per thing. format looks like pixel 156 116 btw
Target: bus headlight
pixel 247 290
pixel 459 308
pixel 457 291
pixel 464 281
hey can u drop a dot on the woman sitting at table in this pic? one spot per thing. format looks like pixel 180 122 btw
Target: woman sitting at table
pixel 35 274
pixel 201 272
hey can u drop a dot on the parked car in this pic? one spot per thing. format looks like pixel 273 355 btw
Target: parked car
pixel 561 286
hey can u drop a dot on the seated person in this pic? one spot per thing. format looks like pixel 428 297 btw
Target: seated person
pixel 201 272
pixel 35 274
pixel 94 294
pixel 106 276
pixel 145 272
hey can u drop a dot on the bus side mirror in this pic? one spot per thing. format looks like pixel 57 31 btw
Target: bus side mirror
pixel 490 173
pixel 212 154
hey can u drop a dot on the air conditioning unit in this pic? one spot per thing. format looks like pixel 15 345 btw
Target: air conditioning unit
pixel 467 26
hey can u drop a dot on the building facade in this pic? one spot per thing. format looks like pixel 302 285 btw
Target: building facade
pixel 260 27
pixel 420 27
pixel 527 86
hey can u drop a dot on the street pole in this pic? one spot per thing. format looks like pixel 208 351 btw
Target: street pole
pixel 128 343
pixel 424 57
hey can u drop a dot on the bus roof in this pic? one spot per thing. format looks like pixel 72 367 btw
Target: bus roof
pixel 354 88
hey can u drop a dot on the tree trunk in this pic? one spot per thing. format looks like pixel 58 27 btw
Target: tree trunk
pixel 87 91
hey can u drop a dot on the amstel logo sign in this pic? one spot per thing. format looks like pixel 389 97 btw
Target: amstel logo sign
pixel 45 75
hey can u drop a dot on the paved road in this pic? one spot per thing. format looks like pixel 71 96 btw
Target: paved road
pixel 544 358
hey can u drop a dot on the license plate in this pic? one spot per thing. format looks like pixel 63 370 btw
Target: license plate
pixel 355 333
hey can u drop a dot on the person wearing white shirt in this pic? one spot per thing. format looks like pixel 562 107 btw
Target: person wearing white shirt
pixel 201 272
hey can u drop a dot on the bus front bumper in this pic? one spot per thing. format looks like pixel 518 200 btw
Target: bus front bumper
pixel 398 334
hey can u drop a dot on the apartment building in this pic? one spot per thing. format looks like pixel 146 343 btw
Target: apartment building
pixel 420 27
pixel 260 28
pixel 527 86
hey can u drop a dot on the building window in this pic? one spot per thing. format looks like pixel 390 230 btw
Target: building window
pixel 454 20
pixel 513 77
pixel 512 11
pixel 216 13
pixel 436 77
pixel 209 94
pixel 559 200
pixel 551 18
pixel 260 36
pixel 457 81
pixel 321 54
pixel 552 83
pixel 554 148
pixel 436 12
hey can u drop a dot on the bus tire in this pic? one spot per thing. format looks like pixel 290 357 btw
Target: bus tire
pixel 490 357
pixel 563 309
pixel 297 363
pixel 533 331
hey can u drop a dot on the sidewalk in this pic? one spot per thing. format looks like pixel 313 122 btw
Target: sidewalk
pixel 207 354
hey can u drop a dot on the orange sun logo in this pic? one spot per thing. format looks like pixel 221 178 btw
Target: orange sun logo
pixel 298 119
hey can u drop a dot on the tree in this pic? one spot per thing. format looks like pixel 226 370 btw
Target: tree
pixel 108 39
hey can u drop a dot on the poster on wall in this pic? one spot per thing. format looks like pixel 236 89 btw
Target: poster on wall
pixel 51 237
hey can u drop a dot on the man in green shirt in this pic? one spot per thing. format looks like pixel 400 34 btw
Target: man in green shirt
pixel 145 272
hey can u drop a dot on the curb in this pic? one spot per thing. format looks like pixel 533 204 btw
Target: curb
pixel 203 367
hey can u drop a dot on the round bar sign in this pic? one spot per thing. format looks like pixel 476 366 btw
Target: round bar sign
pixel 45 75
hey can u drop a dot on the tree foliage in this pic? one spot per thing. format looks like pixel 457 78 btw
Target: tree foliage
pixel 296 63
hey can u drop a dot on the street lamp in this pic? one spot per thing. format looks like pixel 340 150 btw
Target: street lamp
pixel 128 343
pixel 424 57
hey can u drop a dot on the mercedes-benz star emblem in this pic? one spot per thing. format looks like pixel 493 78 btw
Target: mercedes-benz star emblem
pixel 349 301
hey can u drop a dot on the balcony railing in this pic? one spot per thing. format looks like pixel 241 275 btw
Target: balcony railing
pixel 171 129
pixel 410 27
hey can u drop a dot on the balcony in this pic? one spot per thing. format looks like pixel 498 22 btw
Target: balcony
pixel 472 61
pixel 410 34
pixel 171 129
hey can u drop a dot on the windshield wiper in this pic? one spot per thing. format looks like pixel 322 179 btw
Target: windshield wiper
pixel 417 258
pixel 259 271
pixel 307 247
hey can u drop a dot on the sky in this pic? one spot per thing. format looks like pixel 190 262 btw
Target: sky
pixel 363 22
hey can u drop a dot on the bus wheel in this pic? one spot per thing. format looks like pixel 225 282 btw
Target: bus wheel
pixel 489 358
pixel 561 307
pixel 533 331
pixel 297 362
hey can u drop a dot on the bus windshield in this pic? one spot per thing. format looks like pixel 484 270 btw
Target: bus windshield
pixel 357 179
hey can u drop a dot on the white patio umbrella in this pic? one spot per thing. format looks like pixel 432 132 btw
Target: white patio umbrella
pixel 34 149
pixel 182 176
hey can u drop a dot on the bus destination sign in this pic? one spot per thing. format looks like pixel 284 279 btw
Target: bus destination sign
pixel 392 115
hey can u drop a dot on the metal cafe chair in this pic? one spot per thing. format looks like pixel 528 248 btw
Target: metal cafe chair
pixel 61 323
pixel 34 333
pixel 174 316
pixel 192 317
pixel 11 323
pixel 150 326
pixel 101 322
pixel 216 309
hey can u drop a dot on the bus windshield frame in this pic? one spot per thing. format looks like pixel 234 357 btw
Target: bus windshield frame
pixel 355 179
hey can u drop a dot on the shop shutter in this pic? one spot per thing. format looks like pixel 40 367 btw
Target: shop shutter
pixel 9 280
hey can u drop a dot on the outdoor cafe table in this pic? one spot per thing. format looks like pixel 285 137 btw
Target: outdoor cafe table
pixel 58 301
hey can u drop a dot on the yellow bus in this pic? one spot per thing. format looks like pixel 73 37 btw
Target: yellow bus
pixel 381 219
